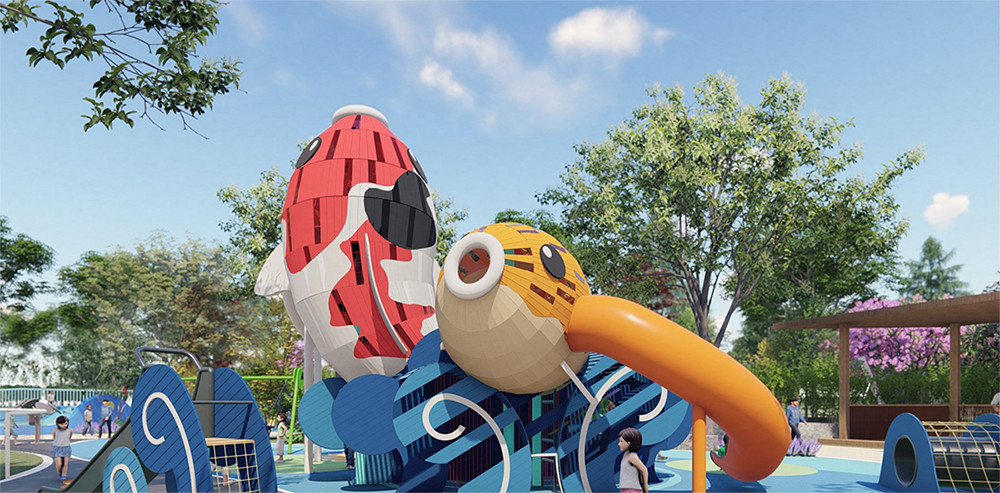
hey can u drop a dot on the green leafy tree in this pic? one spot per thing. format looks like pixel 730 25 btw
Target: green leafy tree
pixel 149 46
pixel 21 259
pixel 102 324
pixel 163 293
pixel 714 191
pixel 448 218
pixel 268 345
pixel 931 277
pixel 809 375
pixel 838 259
pixel 255 225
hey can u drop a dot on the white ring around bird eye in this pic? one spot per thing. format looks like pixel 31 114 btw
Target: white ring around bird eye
pixel 483 285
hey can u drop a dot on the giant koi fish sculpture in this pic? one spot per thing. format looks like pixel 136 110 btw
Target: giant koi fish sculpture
pixel 355 267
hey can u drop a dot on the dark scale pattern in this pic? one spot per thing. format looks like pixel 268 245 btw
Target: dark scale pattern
pixel 402 215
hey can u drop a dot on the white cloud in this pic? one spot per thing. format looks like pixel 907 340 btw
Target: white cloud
pixel 404 23
pixel 535 89
pixel 251 24
pixel 946 208
pixel 611 33
pixel 438 77
pixel 488 49
pixel 481 70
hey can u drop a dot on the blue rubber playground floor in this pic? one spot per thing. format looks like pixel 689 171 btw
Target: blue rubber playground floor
pixel 796 474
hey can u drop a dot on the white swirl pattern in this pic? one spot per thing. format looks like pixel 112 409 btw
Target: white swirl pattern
pixel 128 474
pixel 180 426
pixel 581 451
pixel 458 431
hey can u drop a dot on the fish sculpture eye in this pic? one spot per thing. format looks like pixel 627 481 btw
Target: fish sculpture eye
pixel 308 152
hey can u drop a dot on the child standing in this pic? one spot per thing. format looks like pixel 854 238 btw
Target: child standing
pixel 282 431
pixel 634 477
pixel 61 449
pixel 88 419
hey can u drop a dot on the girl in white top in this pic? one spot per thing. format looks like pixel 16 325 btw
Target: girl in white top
pixel 282 431
pixel 634 477
pixel 61 448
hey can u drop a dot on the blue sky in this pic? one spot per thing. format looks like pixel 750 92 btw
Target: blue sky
pixel 492 97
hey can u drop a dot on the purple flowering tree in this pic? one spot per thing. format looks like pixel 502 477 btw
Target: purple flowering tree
pixel 910 364
pixel 898 348
pixel 293 357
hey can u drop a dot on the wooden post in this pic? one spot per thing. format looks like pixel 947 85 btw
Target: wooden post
pixel 844 357
pixel 698 463
pixel 955 377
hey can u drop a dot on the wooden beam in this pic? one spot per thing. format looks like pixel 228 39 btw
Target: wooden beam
pixel 844 357
pixel 955 373
pixel 965 310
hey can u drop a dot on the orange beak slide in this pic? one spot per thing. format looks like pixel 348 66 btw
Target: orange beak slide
pixel 696 371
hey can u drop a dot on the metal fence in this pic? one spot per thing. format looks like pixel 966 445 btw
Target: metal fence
pixel 60 397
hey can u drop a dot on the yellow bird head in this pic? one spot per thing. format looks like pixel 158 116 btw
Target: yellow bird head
pixel 504 298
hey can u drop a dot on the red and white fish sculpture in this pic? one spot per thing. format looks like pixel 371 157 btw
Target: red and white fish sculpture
pixel 356 265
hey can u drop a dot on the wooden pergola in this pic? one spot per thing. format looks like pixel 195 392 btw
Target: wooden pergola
pixel 952 313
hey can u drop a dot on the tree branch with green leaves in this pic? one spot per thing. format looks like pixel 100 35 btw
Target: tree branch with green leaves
pixel 151 54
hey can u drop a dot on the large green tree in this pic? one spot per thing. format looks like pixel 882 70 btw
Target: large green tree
pixel 163 293
pixel 839 260
pixel 717 192
pixel 255 224
pixel 22 259
pixel 150 48
pixel 931 277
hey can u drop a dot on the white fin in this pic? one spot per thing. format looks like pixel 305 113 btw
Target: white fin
pixel 273 277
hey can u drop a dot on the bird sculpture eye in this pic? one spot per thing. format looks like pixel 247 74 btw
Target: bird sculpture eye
pixel 553 261
pixel 308 152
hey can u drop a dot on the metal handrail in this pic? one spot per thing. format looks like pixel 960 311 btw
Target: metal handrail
pixel 153 349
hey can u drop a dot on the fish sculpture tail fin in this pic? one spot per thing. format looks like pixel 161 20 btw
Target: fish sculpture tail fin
pixel 273 276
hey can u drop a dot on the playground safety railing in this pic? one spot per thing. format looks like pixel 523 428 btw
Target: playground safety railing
pixel 10 397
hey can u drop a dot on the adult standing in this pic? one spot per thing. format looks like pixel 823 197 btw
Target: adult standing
pixel 794 415
pixel 107 412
